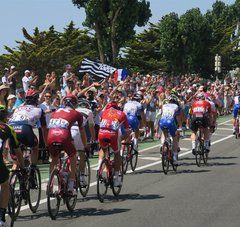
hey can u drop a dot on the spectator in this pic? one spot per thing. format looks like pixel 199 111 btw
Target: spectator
pixel 12 79
pixel 28 80
pixel 5 76
pixel 4 90
pixel 86 82
pixel 11 102
pixel 56 102
pixel 20 98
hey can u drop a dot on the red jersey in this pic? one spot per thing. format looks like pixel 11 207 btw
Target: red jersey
pixel 201 108
pixel 113 119
pixel 65 118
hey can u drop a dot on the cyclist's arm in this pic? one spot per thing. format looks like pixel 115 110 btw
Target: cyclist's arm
pixel 91 126
pixel 44 126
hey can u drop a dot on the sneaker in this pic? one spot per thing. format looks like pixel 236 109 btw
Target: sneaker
pixel 193 151
pixel 83 182
pixel 3 224
pixel 117 181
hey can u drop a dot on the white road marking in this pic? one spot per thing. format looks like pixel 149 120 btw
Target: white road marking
pixel 149 158
pixel 224 129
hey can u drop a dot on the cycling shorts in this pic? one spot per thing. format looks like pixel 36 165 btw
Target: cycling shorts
pixel 25 135
pixel 133 122
pixel 4 172
pixel 170 124
pixel 236 110
pixel 114 138
pixel 196 122
pixel 62 136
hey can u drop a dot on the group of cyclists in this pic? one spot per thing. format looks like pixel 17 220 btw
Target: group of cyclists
pixel 72 126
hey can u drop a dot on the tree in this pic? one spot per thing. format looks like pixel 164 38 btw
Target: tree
pixel 113 22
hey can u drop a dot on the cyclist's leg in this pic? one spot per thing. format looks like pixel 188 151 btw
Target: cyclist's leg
pixel 4 192
pixel 194 129
pixel 206 132
pixel 235 113
pixel 103 134
pixel 172 130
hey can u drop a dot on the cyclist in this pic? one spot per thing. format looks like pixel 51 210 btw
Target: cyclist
pixel 135 112
pixel 6 132
pixel 236 110
pixel 200 111
pixel 24 118
pixel 170 110
pixel 114 127
pixel 84 108
pixel 59 132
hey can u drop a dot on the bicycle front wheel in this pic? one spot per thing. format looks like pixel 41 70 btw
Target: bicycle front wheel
pixel 87 174
pixel 15 204
pixel 53 194
pixel 34 189
pixel 102 180
pixel 72 200
pixel 134 159
pixel 199 154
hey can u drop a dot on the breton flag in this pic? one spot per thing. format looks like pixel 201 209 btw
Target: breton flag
pixel 120 75
pixel 95 68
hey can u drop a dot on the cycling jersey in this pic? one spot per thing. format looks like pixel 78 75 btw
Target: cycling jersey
pixel 87 119
pixel 236 100
pixel 59 130
pixel 28 115
pixel 133 111
pixel 6 132
pixel 167 121
pixel 200 108
pixel 112 122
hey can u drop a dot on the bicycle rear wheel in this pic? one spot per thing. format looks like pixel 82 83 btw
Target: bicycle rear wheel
pixel 11 206
pixel 125 159
pixel 72 200
pixel 87 173
pixel 34 191
pixel 165 161
pixel 53 194
pixel 116 190
pixel 199 155
pixel 134 159
pixel 205 157
pixel 102 180
pixel 15 204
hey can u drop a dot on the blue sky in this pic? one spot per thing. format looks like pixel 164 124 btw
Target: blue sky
pixel 15 14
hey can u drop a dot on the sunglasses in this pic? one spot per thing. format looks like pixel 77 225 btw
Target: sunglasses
pixel 48 96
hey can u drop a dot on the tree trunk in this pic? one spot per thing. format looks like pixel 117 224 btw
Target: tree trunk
pixel 99 43
pixel 113 36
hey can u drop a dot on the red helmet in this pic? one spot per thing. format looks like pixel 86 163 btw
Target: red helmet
pixel 112 104
pixel 32 96
pixel 70 100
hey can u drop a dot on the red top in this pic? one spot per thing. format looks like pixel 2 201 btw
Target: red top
pixel 65 118
pixel 201 108
pixel 113 119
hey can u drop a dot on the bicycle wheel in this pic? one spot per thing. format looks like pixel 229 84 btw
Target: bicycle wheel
pixel 102 180
pixel 11 205
pixel 173 165
pixel 116 190
pixel 165 160
pixel 87 173
pixel 205 157
pixel 34 189
pixel 53 194
pixel 134 159
pixel 125 158
pixel 198 155
pixel 16 201
pixel 72 200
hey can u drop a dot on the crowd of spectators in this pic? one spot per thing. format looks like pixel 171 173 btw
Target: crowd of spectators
pixel 153 88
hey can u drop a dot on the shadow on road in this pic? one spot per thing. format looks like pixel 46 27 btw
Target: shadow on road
pixel 137 196
pixel 192 171
pixel 146 171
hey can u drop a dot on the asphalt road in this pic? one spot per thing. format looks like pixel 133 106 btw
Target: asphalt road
pixel 194 196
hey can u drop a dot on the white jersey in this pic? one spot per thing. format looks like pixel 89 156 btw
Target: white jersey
pixel 169 110
pixel 26 114
pixel 133 108
pixel 236 100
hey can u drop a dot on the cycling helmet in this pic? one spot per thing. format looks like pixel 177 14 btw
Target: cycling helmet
pixel 3 113
pixel 32 97
pixel 200 96
pixel 84 103
pixel 70 100
pixel 137 97
pixel 112 104
pixel 173 99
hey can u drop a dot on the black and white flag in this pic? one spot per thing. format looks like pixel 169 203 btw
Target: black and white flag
pixel 95 68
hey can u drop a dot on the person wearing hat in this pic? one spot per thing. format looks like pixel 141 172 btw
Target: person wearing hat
pixel 28 80
pixel 11 102
pixel 12 79
pixel 5 76
pixel 20 98
pixel 4 90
